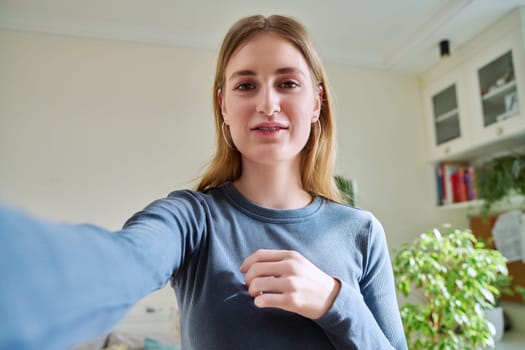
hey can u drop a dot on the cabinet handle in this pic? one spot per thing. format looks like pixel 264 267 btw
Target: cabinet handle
pixel 499 131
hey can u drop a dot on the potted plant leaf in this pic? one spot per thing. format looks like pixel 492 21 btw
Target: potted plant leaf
pixel 500 178
pixel 347 188
pixel 452 276
pixel 497 315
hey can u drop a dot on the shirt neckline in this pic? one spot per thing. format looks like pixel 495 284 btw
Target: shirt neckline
pixel 268 214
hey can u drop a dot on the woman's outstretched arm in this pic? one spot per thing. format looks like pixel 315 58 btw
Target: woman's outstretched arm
pixel 62 284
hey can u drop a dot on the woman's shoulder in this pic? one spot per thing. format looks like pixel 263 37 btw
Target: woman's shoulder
pixel 193 198
pixel 182 204
pixel 360 219
pixel 205 195
pixel 348 210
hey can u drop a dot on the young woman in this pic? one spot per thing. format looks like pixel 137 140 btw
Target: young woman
pixel 262 255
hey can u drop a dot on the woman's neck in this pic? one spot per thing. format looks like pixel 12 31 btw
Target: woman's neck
pixel 273 186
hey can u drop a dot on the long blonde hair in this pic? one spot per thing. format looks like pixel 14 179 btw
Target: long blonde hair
pixel 318 155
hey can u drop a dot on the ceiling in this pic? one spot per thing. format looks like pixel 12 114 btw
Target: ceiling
pixel 397 35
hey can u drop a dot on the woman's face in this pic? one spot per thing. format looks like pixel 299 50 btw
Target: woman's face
pixel 269 100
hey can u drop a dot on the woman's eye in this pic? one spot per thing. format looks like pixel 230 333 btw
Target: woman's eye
pixel 245 87
pixel 289 84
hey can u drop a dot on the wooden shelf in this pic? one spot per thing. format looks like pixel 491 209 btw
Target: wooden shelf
pixel 513 202
pixel 460 205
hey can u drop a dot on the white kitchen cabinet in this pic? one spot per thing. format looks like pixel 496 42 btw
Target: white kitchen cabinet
pixel 474 106
pixel 447 118
pixel 497 88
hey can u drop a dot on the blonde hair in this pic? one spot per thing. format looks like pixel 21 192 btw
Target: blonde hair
pixel 318 155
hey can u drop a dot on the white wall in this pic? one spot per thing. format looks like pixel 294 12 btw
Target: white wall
pixel 382 146
pixel 93 130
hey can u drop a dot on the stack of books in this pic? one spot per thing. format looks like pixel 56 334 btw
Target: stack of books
pixel 456 182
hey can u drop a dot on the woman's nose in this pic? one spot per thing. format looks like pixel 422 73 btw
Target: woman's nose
pixel 268 102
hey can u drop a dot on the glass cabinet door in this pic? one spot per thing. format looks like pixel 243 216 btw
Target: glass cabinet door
pixel 498 90
pixel 496 78
pixel 446 115
pixel 447 127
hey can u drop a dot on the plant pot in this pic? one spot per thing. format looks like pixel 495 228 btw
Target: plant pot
pixel 495 316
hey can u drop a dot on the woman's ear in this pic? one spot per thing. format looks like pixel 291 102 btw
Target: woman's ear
pixel 318 104
pixel 222 105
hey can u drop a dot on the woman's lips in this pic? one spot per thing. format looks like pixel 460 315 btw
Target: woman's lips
pixel 264 128
pixel 268 129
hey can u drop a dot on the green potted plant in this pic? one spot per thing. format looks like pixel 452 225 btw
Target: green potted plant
pixel 503 282
pixel 347 189
pixel 504 285
pixel 452 276
pixel 500 178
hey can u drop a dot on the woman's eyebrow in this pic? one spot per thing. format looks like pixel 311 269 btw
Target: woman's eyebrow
pixel 287 70
pixel 279 71
pixel 242 73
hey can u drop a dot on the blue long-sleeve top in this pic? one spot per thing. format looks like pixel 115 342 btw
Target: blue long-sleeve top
pixel 63 284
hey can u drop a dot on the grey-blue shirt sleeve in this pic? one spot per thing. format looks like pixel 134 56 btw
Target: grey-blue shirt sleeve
pixel 63 284
pixel 368 318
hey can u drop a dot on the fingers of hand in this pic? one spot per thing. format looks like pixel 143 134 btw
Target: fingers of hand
pixel 273 285
pixel 287 280
pixel 281 265
pixel 267 269
pixel 281 301
pixel 311 301
pixel 267 255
